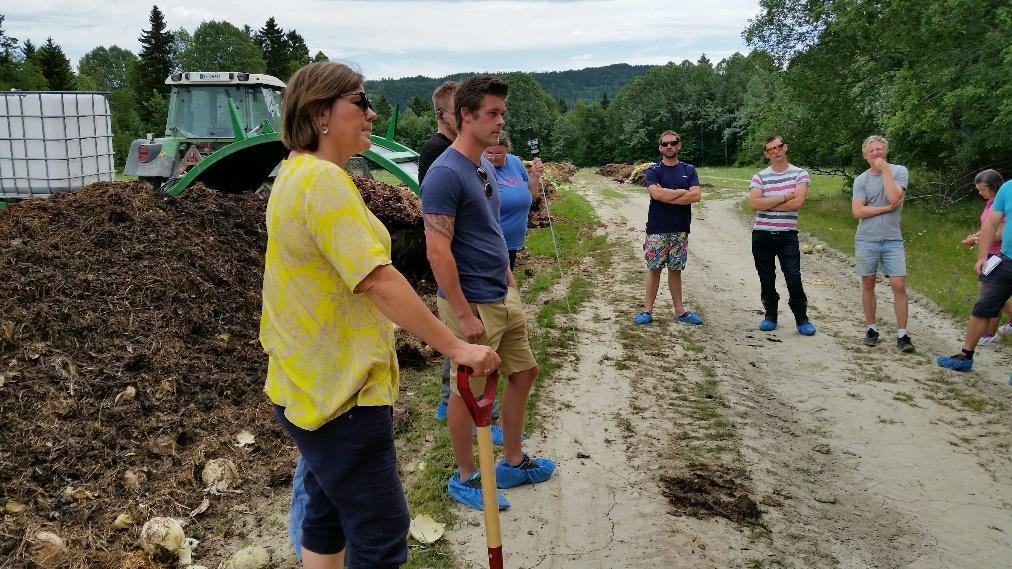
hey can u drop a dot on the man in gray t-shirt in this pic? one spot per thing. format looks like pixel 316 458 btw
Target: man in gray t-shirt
pixel 877 204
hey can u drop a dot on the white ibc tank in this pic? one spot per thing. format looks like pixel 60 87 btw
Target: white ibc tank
pixel 53 142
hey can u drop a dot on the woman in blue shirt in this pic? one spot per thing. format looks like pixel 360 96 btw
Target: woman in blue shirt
pixel 516 190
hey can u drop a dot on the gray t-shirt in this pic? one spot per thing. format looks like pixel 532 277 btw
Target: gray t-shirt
pixel 869 188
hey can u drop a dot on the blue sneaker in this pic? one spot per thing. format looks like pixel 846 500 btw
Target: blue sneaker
pixel 530 471
pixel 689 318
pixel 643 318
pixel 958 362
pixel 806 329
pixel 468 492
pixel 767 325
pixel 440 411
pixel 497 436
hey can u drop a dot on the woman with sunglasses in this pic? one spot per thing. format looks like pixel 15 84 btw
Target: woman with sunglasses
pixel 330 293
pixel 516 192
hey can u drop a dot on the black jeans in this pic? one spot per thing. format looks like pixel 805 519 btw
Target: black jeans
pixel 767 246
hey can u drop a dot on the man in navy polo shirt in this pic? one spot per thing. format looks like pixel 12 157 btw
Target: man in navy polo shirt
pixel 674 187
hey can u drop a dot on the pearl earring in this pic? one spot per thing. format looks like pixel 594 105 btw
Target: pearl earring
pixel 324 130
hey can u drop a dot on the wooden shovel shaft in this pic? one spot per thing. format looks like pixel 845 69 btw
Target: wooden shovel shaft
pixel 490 501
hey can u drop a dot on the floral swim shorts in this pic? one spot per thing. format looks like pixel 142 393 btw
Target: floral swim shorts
pixel 669 250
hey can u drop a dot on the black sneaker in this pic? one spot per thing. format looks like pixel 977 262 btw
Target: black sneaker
pixel 870 337
pixel 904 343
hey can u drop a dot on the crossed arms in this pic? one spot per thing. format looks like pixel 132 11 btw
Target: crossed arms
pixel 676 197
pixel 793 202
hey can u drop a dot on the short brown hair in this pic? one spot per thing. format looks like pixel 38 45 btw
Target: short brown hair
pixel 669 133
pixel 447 89
pixel 773 137
pixel 472 90
pixel 310 91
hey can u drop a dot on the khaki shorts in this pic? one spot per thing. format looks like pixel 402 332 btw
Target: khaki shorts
pixel 505 331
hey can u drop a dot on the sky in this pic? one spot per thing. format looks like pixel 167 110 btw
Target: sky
pixel 402 38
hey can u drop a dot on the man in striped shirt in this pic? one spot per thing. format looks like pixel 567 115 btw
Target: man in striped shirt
pixel 776 194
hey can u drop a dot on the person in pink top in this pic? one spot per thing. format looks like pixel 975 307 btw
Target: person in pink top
pixel 987 183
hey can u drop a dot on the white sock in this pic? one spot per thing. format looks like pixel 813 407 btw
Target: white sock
pixel 901 332
pixel 873 327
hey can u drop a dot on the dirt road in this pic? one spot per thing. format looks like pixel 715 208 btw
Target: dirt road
pixel 722 446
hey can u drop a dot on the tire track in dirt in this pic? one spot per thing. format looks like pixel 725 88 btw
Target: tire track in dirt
pixel 858 457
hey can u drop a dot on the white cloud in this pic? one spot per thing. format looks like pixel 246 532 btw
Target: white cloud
pixel 454 36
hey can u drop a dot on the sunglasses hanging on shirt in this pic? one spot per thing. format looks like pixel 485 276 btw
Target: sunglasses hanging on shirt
pixel 484 179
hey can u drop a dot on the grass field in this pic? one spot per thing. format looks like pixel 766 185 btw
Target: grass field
pixel 938 266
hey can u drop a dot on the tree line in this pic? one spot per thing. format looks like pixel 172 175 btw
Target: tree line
pixel 136 82
pixel 567 87
pixel 930 75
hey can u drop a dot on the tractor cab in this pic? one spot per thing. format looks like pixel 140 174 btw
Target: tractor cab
pixel 207 111
pixel 199 105
pixel 222 130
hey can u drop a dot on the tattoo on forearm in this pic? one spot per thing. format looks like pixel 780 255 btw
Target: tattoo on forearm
pixel 439 224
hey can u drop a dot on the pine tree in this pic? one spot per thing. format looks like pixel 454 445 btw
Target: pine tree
pixel 55 66
pixel 274 44
pixel 7 44
pixel 320 56
pixel 156 56
pixel 28 49
pixel 298 53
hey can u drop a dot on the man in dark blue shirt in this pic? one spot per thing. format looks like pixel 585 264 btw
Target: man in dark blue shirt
pixel 478 298
pixel 674 187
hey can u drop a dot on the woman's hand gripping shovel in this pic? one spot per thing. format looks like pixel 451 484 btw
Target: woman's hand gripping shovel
pixel 481 413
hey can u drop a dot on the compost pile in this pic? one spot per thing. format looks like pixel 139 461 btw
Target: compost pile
pixel 129 359
pixel 555 175
pixel 626 173
pixel 396 206
pixel 617 172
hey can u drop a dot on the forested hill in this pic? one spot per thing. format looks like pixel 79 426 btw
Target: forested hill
pixel 581 84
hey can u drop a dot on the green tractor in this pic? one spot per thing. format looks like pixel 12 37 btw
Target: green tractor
pixel 222 130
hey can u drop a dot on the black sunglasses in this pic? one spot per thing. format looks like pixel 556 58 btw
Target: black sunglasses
pixel 363 101
pixel 484 178
pixel 671 142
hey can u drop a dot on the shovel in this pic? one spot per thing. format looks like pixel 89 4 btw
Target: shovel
pixel 481 413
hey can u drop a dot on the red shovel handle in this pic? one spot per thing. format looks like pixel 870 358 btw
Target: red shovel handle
pixel 481 410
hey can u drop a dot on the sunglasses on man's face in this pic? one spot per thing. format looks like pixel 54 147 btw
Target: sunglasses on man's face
pixel 775 149
pixel 670 143
pixel 484 179
pixel 362 102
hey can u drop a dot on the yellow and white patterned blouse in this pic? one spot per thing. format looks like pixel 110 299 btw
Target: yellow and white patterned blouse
pixel 330 349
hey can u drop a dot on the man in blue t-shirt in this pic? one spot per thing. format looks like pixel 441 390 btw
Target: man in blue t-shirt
pixel 996 288
pixel 674 187
pixel 477 297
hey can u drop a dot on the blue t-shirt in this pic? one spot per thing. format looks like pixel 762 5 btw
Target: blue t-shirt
pixel 515 201
pixel 1003 203
pixel 452 187
pixel 666 217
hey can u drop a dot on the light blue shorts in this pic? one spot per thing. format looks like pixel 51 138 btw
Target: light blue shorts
pixel 869 254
